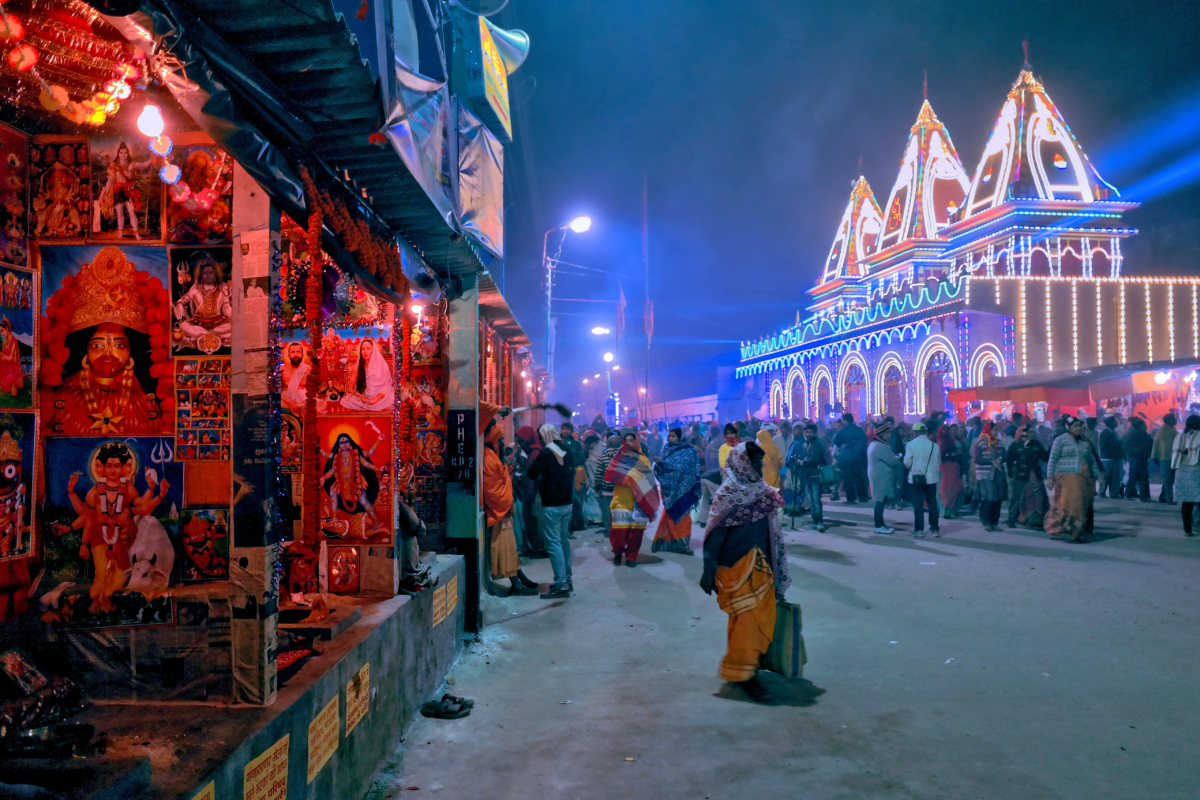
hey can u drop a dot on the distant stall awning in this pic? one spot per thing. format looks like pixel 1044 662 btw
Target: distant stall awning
pixel 1081 388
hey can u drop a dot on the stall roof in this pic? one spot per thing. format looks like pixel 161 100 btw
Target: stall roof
pixel 494 308
pixel 314 68
pixel 1074 388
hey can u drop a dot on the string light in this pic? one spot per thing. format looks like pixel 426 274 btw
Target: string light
pixel 1024 334
pixel 1121 322
pixel 1049 333
pixel 1075 323
pixel 1171 318
pixel 1099 319
pixel 1195 325
pixel 997 292
pixel 1149 328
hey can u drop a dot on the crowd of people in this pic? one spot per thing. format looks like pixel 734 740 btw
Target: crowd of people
pixel 740 481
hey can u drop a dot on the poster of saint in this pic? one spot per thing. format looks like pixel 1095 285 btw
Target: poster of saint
pixel 60 189
pixel 203 431
pixel 104 368
pixel 356 371
pixel 202 305
pixel 110 531
pixel 18 450
pixel 16 338
pixel 204 215
pixel 127 191
pixel 14 197
pixel 356 482
pixel 205 536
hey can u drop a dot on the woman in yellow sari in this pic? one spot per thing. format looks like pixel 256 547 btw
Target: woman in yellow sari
pixel 635 498
pixel 746 564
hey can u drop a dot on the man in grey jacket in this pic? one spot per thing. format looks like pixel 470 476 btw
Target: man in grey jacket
pixel 923 460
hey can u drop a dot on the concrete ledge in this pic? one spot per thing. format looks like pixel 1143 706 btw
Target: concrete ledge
pixel 191 746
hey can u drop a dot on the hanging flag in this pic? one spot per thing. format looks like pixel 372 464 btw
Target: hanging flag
pixel 648 316
pixel 620 315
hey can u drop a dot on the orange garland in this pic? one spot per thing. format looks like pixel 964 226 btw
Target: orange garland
pixel 313 462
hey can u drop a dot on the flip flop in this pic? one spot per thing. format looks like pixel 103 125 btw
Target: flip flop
pixel 462 701
pixel 444 709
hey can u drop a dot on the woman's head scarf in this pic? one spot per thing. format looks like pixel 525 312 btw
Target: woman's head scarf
pixel 550 440
pixel 945 439
pixel 744 497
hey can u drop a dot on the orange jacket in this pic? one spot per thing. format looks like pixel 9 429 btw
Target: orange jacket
pixel 497 487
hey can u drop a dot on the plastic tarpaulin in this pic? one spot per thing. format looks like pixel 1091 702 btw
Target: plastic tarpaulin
pixel 480 182
pixel 416 129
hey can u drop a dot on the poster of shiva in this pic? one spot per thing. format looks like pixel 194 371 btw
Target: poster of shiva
pixel 202 308
pixel 104 367
pixel 17 289
pixel 127 190
pixel 110 531
pixel 14 197
pixel 356 481
pixel 356 371
pixel 60 188
pixel 18 451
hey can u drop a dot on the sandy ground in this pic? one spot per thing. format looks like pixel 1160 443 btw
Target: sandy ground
pixel 979 665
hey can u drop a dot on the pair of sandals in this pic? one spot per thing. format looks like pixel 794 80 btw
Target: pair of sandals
pixel 449 707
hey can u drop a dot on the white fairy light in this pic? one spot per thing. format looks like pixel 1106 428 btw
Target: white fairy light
pixel 1024 334
pixel 1149 328
pixel 1171 318
pixel 1121 322
pixel 1049 332
pixel 1075 323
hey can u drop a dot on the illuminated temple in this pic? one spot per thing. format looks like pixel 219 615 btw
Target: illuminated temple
pixel 974 280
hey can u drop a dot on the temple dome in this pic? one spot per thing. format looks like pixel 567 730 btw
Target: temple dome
pixel 857 237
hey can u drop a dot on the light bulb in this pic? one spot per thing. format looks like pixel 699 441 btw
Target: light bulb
pixel 150 121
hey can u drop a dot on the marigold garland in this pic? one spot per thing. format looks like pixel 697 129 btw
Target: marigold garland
pixel 312 440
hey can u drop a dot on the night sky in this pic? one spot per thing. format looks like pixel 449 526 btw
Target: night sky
pixel 748 121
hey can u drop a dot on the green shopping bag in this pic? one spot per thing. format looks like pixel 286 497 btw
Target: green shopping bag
pixel 786 655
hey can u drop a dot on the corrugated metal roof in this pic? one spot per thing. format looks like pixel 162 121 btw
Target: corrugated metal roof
pixel 305 50
pixel 494 308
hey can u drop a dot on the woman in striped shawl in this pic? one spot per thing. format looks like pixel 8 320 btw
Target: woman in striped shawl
pixel 635 498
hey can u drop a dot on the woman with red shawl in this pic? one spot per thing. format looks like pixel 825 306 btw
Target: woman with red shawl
pixel 635 498
pixel 950 487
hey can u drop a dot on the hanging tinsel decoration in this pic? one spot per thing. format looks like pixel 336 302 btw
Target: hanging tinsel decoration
pixel 311 437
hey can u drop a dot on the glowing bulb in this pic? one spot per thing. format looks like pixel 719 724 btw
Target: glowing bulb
pixel 600 330
pixel 581 224
pixel 150 121
pixel 417 309
pixel 1191 376
pixel 528 384
pixel 642 390
pixel 597 375
pixel 522 373
pixel 616 366
pixel 1161 378
pixel 608 357
pixel 585 380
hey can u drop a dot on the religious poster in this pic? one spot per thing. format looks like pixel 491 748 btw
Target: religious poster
pixel 14 199
pixel 110 522
pixel 290 443
pixel 202 306
pixel 205 536
pixel 104 368
pixel 343 569
pixel 205 214
pixel 203 431
pixel 430 393
pixel 60 189
pixel 426 347
pixel 16 338
pixel 430 459
pixel 127 191
pixel 18 451
pixel 356 372
pixel 356 481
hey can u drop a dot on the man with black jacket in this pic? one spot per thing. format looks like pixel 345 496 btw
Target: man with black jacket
pixel 851 444
pixel 554 472
pixel 1137 446
pixel 806 457
pixel 570 441
pixel 1112 458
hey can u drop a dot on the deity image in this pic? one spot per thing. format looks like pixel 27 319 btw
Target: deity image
pixel 12 377
pixel 126 189
pixel 290 444
pixel 430 450
pixel 97 349
pixel 16 341
pixel 58 177
pixel 204 167
pixel 430 395
pixel 14 188
pixel 343 569
pixel 203 307
pixel 425 345
pixel 15 511
pixel 354 503
pixel 205 544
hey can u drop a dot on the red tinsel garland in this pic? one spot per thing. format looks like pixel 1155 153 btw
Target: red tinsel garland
pixel 312 440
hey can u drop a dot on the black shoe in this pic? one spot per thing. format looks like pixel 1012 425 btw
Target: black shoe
pixel 629 563
pixel 523 578
pixel 555 594
pixel 1188 533
pixel 616 561
pixel 522 591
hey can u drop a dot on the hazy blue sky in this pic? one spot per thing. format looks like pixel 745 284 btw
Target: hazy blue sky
pixel 748 120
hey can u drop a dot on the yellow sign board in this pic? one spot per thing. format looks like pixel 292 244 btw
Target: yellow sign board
pixel 322 738
pixel 208 792
pixel 358 697
pixel 495 77
pixel 266 776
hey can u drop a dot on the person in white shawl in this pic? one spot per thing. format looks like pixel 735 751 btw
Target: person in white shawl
pixel 373 389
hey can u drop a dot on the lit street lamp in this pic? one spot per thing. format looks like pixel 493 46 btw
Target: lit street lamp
pixel 577 225
pixel 600 330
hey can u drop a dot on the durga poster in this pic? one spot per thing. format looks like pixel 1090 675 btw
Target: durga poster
pixel 104 365
pixel 356 493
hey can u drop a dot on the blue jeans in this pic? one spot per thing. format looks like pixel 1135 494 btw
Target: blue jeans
pixel 812 487
pixel 556 525
pixel 1114 473
pixel 1167 493
pixel 605 512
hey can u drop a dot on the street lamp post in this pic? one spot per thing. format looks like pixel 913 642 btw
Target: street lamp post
pixel 577 225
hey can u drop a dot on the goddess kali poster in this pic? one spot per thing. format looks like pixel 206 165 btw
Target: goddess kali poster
pixel 356 480
pixel 105 368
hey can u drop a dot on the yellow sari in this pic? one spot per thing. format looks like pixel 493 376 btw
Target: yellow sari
pixel 746 592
